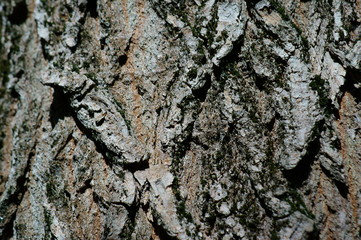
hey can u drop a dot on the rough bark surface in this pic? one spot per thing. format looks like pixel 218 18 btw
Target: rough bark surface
pixel 165 119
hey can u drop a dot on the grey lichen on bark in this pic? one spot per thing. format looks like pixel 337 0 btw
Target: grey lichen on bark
pixel 194 119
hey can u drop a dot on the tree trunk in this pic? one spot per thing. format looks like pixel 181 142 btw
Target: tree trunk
pixel 165 119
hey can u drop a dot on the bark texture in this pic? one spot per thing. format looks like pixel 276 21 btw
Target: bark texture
pixel 189 119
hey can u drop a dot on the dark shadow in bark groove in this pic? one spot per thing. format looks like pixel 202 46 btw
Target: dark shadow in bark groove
pixel 45 52
pixel 100 148
pixel 91 6
pixel 161 232
pixel 261 82
pixel 100 201
pixel 78 42
pixel 130 224
pixel 136 166
pixel 9 229
pixel 271 124
pixel 14 93
pixel 341 187
pixel 261 201
pixel 60 107
pixel 108 155
pixel 353 76
pixel 227 61
pixel 102 42
pixel 61 100
pixel 201 93
pixel 301 172
pixel 19 14
pixel 16 198
pixel 314 235
pixel 86 186
pixel 122 59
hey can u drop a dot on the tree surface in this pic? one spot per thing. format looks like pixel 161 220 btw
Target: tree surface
pixel 188 119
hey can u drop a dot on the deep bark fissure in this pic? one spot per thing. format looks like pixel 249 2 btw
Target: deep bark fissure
pixel 298 175
pixel 352 77
pixel 91 7
pixel 19 14
pixel 60 107
pixel 341 187
pixel 161 232
pixel 16 198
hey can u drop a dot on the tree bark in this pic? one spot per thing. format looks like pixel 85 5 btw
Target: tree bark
pixel 193 119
